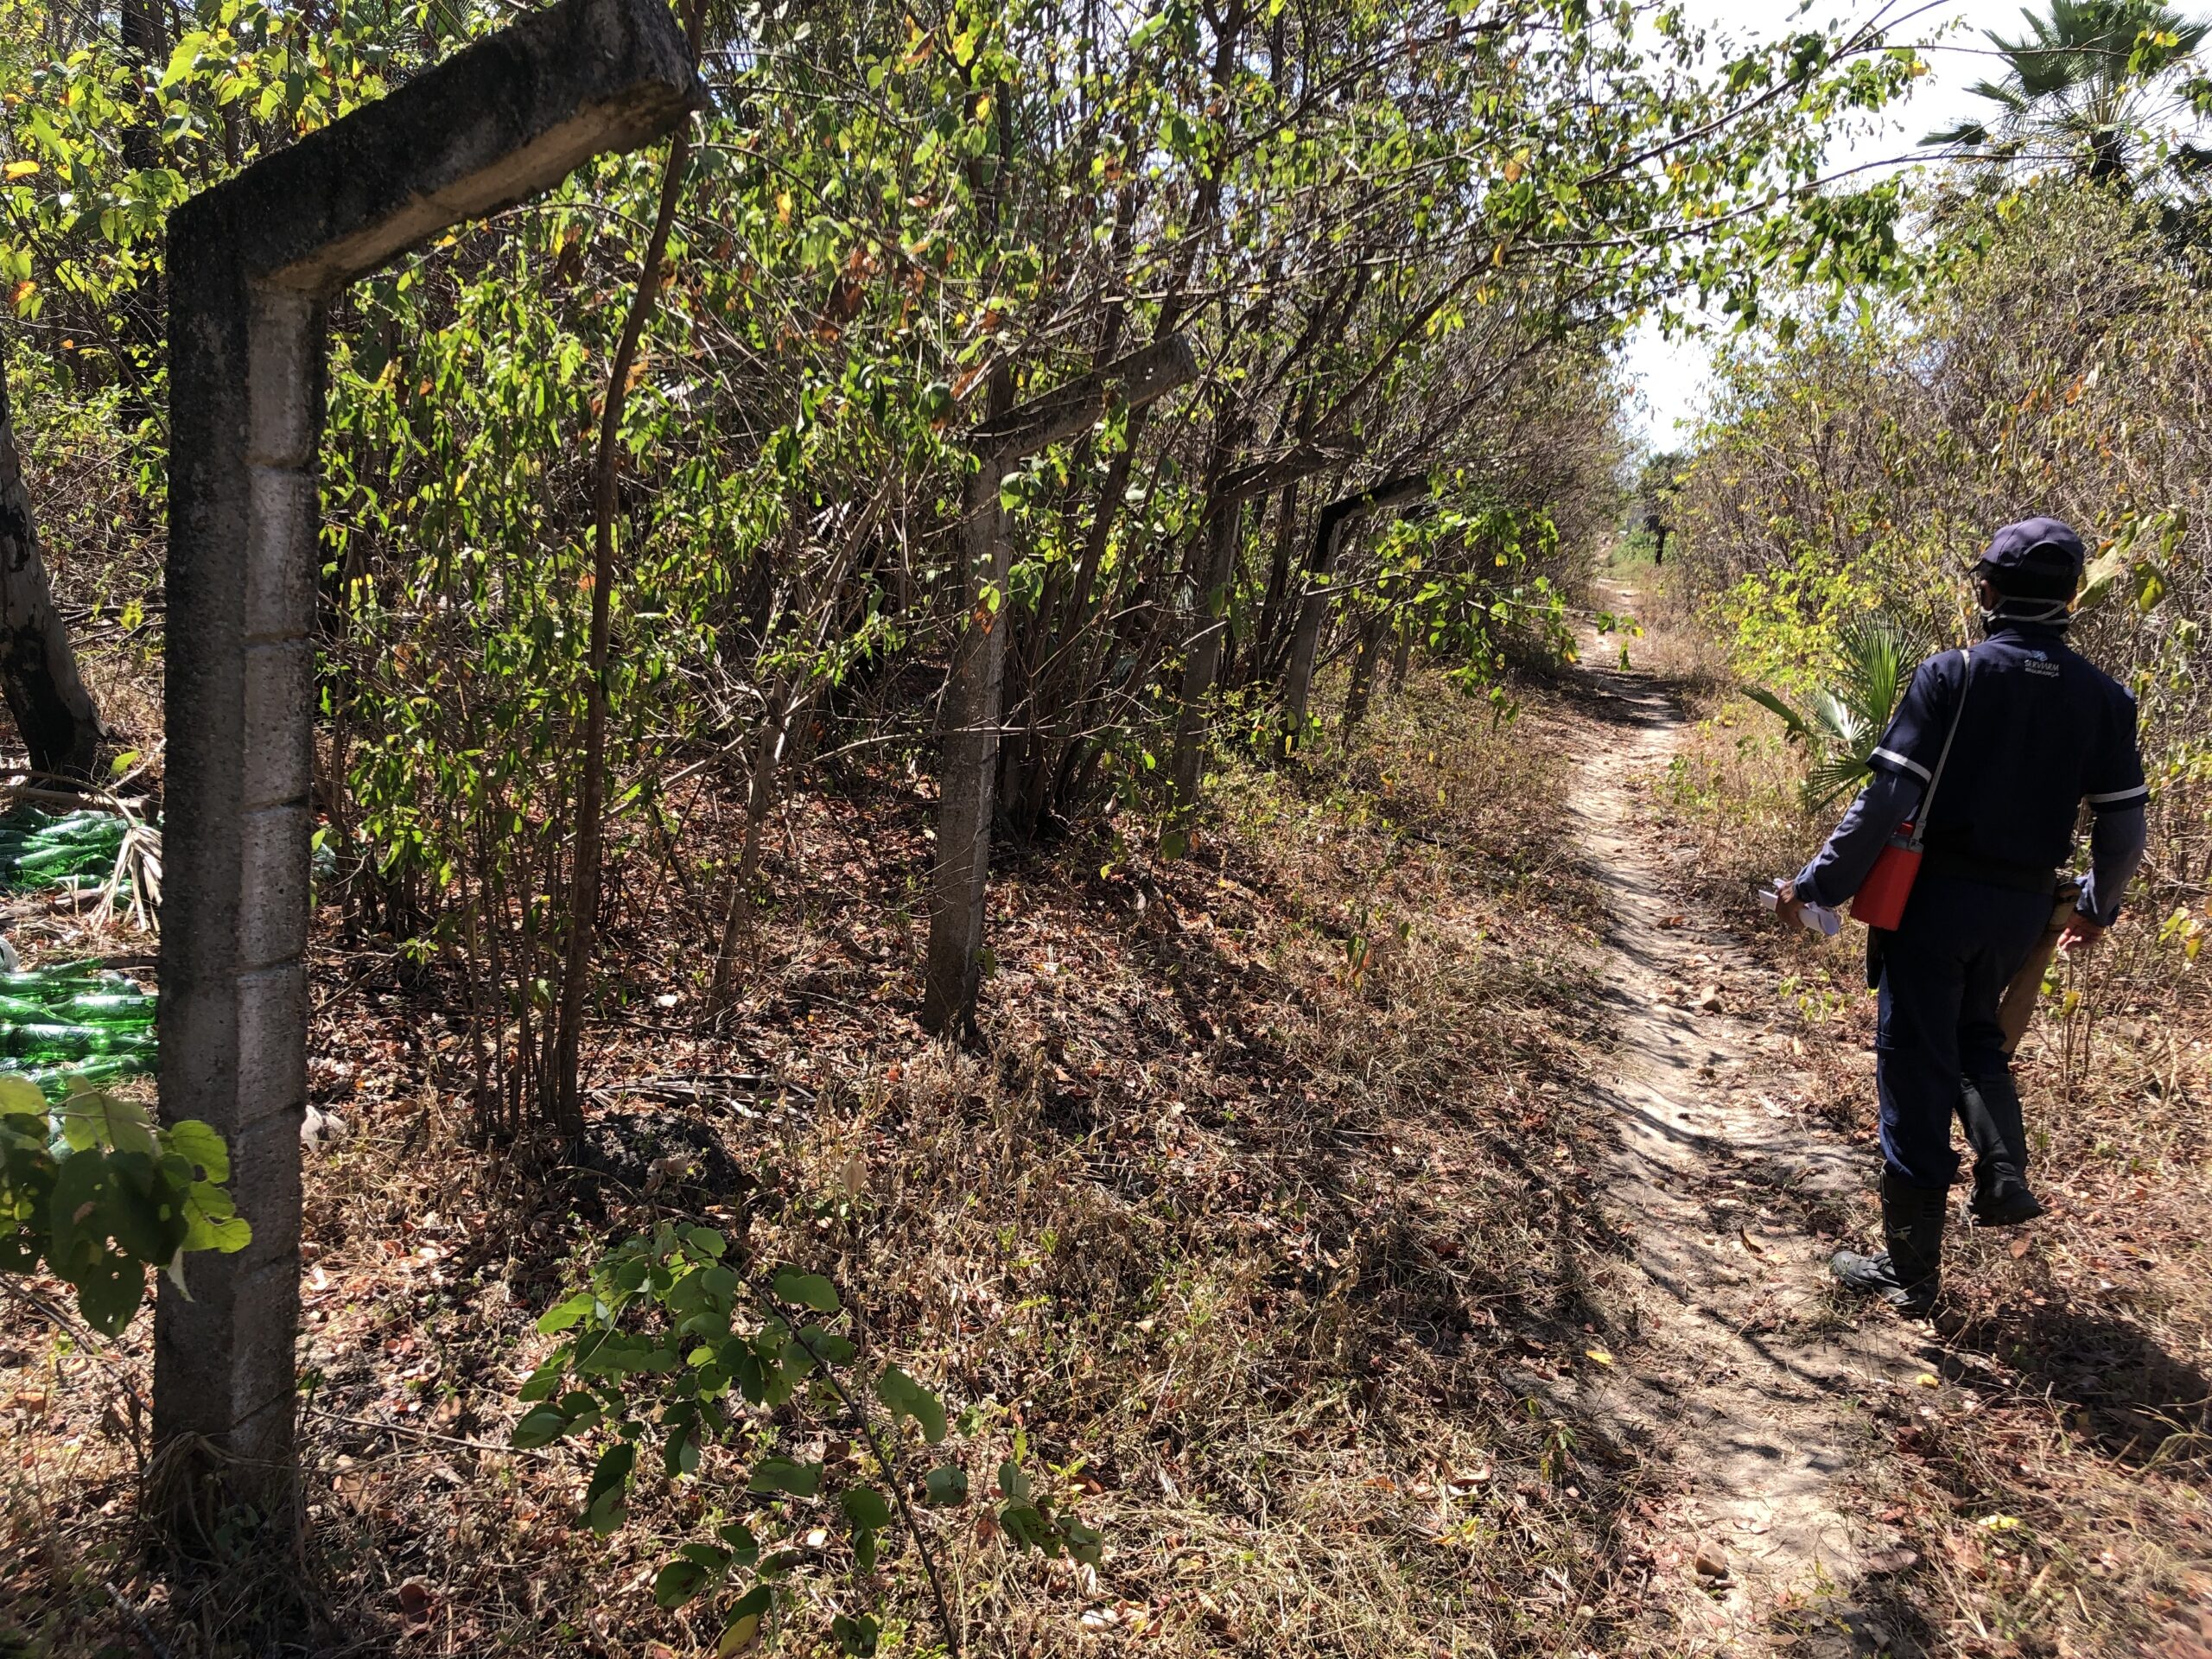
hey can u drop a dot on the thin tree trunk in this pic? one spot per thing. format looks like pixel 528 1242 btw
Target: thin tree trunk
pixel 1362 672
pixel 38 669
pixel 1312 611
pixel 1266 651
pixel 583 893
pixel 143 313
pixel 1204 653
pixel 761 795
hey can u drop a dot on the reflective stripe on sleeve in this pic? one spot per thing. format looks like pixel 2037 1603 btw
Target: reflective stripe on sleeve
pixel 1896 760
pixel 2120 797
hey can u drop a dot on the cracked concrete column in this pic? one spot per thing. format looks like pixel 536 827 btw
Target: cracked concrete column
pixel 251 264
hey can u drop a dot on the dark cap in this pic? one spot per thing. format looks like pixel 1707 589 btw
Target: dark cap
pixel 2036 558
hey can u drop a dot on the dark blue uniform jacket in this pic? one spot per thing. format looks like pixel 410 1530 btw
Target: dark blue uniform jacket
pixel 2043 730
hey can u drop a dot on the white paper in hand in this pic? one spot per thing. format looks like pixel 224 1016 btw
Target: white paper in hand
pixel 1817 918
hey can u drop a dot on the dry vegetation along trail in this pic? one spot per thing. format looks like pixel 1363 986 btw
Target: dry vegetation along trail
pixel 1744 1378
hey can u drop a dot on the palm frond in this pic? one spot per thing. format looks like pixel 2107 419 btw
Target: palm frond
pixel 1798 731
pixel 1831 777
pixel 1841 724
pixel 1878 658
pixel 2077 72
pixel 1970 133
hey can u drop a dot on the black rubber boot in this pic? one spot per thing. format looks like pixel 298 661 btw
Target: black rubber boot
pixel 1908 1273
pixel 2001 1198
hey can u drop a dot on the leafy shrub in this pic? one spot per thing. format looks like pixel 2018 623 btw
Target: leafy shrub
pixel 1843 722
pixel 676 1345
pixel 98 1192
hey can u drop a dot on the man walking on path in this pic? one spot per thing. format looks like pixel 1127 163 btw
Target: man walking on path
pixel 2022 730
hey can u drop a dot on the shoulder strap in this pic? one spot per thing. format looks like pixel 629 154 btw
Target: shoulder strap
pixel 1928 801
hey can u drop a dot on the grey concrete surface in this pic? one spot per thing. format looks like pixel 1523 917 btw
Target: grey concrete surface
pixel 251 264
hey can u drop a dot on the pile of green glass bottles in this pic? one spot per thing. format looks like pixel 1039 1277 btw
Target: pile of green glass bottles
pixel 70 1019
pixel 74 1020
pixel 38 849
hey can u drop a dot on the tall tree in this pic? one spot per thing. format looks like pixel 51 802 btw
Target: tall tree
pixel 38 669
pixel 2090 82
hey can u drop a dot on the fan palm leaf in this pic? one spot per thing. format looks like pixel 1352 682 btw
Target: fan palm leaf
pixel 1841 724
pixel 2078 77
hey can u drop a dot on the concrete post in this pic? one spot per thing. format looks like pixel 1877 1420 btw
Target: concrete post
pixel 968 777
pixel 252 264
pixel 1329 528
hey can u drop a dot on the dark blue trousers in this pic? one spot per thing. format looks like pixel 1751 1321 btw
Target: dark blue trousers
pixel 1943 973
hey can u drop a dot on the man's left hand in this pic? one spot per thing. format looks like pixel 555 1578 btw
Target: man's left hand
pixel 2081 933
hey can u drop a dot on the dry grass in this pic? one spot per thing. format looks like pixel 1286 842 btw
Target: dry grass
pixel 1267 1182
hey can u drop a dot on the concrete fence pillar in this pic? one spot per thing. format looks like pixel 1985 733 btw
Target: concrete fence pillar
pixel 252 265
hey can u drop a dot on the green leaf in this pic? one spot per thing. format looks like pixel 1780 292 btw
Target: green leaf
pixel 904 1397
pixel 109 1291
pixel 857 1638
pixel 1026 1524
pixel 866 1507
pixel 678 1582
pixel 213 1223
pixel 564 1314
pixel 807 1289
pixel 1790 718
pixel 546 1378
pixel 2104 572
pixel 743 1627
pixel 606 1507
pixel 20 1096
pixel 540 1427
pixel 2150 588
pixel 198 1142
pixel 707 1242
pixel 946 1484
pixel 784 1475
pixel 1084 1544
pixel 91 1119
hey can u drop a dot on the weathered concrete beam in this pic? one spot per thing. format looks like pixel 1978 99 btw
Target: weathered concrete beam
pixel 1329 527
pixel 1068 411
pixel 968 775
pixel 252 264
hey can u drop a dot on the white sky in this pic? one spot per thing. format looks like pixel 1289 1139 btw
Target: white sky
pixel 1671 375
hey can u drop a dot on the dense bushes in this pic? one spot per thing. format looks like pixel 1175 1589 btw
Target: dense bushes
pixel 2055 363
pixel 1395 240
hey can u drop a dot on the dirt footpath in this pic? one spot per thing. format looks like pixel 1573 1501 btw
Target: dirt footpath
pixel 1746 1378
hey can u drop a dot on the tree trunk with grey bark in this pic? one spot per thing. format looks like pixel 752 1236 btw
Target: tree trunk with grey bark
pixel 1204 657
pixel 1362 673
pixel 38 669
